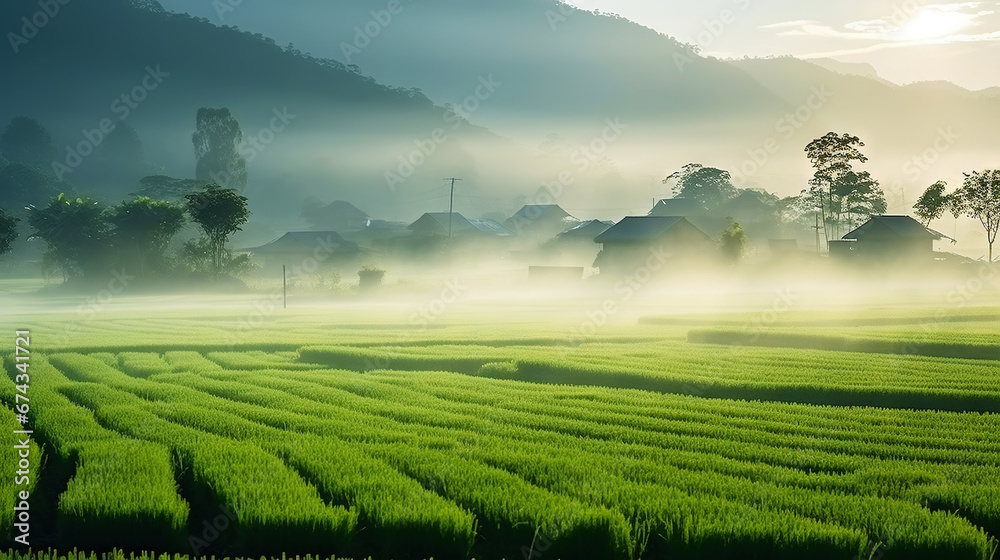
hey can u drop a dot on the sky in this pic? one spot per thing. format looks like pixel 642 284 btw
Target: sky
pixel 905 40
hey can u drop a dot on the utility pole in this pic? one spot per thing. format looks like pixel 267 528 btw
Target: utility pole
pixel 451 206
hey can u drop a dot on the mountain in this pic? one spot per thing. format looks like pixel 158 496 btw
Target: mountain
pixel 312 126
pixel 565 70
pixel 863 69
pixel 915 134
pixel 594 106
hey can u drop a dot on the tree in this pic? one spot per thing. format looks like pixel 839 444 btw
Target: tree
pixel 933 203
pixel 733 241
pixel 26 141
pixel 22 185
pixel 710 186
pixel 75 232
pixel 8 232
pixel 142 228
pixel 979 198
pixel 162 187
pixel 219 212
pixel 216 147
pixel 119 161
pixel 835 187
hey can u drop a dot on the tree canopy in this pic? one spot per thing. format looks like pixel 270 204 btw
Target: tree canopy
pixel 220 212
pixel 142 227
pixel 710 186
pixel 75 232
pixel 836 188
pixel 8 232
pixel 933 203
pixel 979 198
pixel 216 147
pixel 25 140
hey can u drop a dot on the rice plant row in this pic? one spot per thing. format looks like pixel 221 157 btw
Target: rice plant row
pixel 453 446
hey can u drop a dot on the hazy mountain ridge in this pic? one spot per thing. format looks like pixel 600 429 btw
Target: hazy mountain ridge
pixel 555 69
pixel 348 129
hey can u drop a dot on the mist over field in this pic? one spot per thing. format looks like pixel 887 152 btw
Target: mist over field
pixel 464 279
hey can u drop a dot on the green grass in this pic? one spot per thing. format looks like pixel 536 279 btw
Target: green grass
pixel 484 440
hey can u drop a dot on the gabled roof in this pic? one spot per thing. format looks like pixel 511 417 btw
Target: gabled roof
pixel 295 242
pixel 532 212
pixel 587 230
pixel 646 228
pixel 344 208
pixel 491 227
pixel 383 224
pixel 678 207
pixel 437 223
pixel 903 227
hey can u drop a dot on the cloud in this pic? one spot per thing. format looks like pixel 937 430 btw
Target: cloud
pixel 907 25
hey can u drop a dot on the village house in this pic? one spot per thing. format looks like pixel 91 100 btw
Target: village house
pixel 888 238
pixel 300 248
pixel 540 221
pixel 630 242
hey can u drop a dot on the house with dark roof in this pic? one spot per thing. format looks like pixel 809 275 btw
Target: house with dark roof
pixel 584 231
pixel 691 209
pixel 300 248
pixel 469 239
pixel 540 221
pixel 888 238
pixel 339 215
pixel 575 246
pixel 686 207
pixel 443 224
pixel 669 240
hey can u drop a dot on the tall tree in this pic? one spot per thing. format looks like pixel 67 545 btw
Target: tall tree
pixel 142 228
pixel 120 157
pixel 75 232
pixel 25 140
pixel 979 198
pixel 220 212
pixel 710 186
pixel 8 232
pixel 835 182
pixel 216 147
pixel 933 203
pixel 22 185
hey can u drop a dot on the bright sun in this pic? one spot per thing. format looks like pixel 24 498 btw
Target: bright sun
pixel 932 23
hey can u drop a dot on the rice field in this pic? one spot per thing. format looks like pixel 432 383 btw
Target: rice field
pixel 350 435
